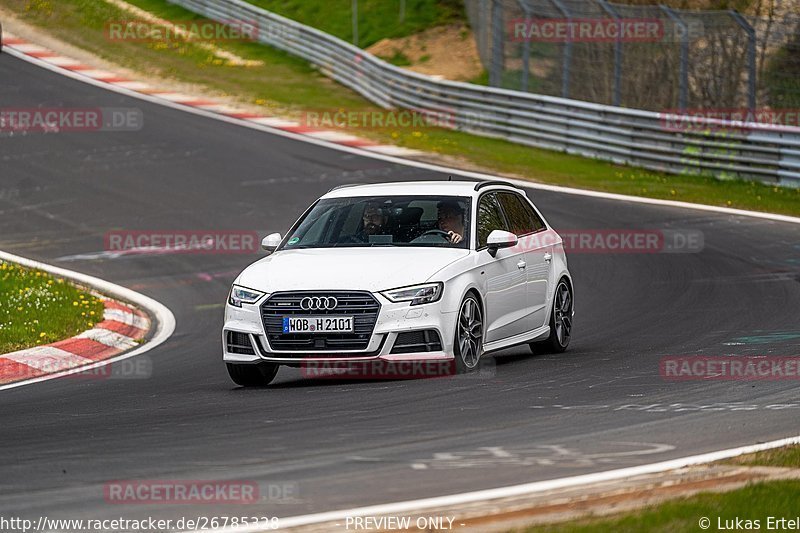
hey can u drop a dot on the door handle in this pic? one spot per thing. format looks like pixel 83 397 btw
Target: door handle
pixel 548 256
pixel 521 265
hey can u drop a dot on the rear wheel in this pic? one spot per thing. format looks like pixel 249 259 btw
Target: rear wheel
pixel 560 322
pixel 468 346
pixel 252 375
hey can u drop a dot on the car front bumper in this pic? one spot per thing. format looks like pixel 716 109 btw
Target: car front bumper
pixel 393 319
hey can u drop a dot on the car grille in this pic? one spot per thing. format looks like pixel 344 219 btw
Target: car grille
pixel 426 340
pixel 361 305
pixel 239 343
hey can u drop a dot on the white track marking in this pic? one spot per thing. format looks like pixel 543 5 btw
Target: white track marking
pixel 275 122
pixel 334 136
pixel 414 506
pixel 133 85
pixel 164 317
pixel 125 317
pixel 390 149
pixel 64 61
pixel 28 48
pixel 47 358
pixel 177 97
pixel 221 108
pixel 112 339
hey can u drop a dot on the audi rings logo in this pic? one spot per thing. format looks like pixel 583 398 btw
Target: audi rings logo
pixel 318 303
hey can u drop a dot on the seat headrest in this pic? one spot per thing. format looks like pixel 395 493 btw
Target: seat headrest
pixel 410 215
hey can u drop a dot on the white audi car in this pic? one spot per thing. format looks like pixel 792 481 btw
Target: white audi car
pixel 413 271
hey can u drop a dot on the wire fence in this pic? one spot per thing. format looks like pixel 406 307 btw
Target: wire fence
pixel 643 57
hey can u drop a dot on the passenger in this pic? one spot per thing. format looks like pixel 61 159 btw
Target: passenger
pixel 374 221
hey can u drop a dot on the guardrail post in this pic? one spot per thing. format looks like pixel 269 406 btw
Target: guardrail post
pixel 498 34
pixel 617 51
pixel 684 65
pixel 354 6
pixel 526 48
pixel 751 58
pixel 567 60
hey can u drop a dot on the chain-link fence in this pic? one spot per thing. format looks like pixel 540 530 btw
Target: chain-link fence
pixel 643 57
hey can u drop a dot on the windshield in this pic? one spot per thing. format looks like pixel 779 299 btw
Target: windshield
pixel 431 221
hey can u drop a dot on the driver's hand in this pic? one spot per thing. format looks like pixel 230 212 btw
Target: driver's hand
pixel 455 238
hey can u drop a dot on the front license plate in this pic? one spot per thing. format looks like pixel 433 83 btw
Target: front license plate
pixel 318 324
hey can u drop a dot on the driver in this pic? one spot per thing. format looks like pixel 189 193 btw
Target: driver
pixel 451 220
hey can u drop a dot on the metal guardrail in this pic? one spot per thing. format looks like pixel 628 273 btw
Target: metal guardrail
pixel 626 136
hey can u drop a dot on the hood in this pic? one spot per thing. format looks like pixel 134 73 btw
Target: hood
pixel 371 269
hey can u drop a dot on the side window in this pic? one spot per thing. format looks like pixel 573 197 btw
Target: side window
pixel 521 216
pixel 490 217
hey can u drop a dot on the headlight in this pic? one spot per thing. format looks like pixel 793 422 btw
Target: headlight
pixel 241 295
pixel 417 294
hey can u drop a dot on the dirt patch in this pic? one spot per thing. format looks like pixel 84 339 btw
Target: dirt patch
pixel 446 51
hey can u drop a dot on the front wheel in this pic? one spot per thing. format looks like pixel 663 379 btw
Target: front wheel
pixel 252 375
pixel 560 322
pixel 468 346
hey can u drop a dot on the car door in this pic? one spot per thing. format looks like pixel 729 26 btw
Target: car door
pixel 503 275
pixel 537 253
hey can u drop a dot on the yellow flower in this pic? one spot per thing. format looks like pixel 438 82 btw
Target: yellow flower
pixel 42 334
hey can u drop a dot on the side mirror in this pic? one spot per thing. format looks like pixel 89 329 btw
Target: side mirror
pixel 500 239
pixel 271 241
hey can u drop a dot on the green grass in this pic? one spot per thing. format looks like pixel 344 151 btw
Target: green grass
pixel 36 308
pixel 787 456
pixel 377 19
pixel 398 59
pixel 287 86
pixel 754 502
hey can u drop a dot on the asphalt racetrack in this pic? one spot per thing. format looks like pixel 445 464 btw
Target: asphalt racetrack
pixel 601 405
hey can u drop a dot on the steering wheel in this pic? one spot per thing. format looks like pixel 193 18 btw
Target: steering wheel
pixel 439 232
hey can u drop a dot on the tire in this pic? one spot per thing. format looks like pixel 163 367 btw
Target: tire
pixel 560 321
pixel 468 342
pixel 252 375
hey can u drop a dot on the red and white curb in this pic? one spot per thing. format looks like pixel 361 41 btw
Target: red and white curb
pixel 121 329
pixel 118 336
pixel 67 63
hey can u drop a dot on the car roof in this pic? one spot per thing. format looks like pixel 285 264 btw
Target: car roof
pixel 434 188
